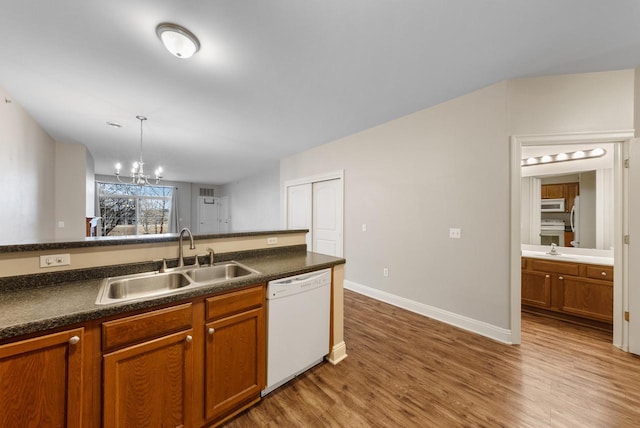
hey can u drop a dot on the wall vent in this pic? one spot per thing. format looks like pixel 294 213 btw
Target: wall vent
pixel 206 192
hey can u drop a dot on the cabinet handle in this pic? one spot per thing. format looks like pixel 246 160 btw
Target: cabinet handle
pixel 546 276
pixel 604 274
pixel 189 338
pixel 211 330
pixel 73 340
pixel 561 277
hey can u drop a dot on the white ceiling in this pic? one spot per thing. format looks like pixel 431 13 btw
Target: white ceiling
pixel 276 77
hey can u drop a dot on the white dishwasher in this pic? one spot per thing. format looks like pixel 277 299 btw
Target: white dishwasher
pixel 297 325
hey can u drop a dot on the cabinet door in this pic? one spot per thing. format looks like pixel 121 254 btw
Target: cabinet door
pixel 552 191
pixel 588 298
pixel 570 193
pixel 150 384
pixel 235 361
pixel 41 381
pixel 536 289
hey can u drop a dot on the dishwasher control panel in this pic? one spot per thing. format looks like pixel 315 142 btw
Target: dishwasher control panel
pixel 295 284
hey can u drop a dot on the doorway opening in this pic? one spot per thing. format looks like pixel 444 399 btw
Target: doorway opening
pixel 526 217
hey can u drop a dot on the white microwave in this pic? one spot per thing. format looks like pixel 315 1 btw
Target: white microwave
pixel 552 205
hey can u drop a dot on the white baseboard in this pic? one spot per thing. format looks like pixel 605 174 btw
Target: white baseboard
pixel 465 323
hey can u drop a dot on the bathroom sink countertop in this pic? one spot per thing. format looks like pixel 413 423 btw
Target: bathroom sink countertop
pixel 30 310
pixel 569 258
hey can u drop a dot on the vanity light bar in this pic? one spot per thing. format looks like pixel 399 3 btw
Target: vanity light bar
pixel 564 157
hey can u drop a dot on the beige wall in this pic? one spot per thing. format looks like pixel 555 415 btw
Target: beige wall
pixel 71 190
pixel 27 175
pixel 636 101
pixel 571 103
pixel 90 185
pixel 254 202
pixel 412 179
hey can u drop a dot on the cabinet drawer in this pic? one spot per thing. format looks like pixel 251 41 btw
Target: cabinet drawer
pixel 137 328
pixel 234 302
pixel 555 267
pixel 600 272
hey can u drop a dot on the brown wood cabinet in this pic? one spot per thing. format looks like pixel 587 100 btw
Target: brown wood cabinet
pixel 235 352
pixel 568 237
pixel 580 291
pixel 195 363
pixel 571 190
pixel 552 191
pixel 536 289
pixel 149 383
pixel 41 381
pixel 151 360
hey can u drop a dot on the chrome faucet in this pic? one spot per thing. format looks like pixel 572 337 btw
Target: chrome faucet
pixel 192 246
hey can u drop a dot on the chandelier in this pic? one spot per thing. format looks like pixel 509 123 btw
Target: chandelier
pixel 137 171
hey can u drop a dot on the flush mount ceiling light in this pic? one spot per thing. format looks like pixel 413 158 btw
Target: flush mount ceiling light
pixel 178 40
pixel 137 170
pixel 564 157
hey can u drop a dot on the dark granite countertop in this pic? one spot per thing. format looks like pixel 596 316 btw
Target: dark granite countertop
pixel 30 310
pixel 103 241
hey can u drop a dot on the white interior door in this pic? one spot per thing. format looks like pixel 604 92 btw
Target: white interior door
pixel 299 209
pixel 634 246
pixel 327 217
pixel 208 215
pixel 224 219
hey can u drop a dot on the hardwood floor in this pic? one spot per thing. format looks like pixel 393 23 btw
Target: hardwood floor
pixel 405 370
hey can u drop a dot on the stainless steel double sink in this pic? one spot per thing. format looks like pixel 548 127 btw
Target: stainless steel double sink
pixel 151 284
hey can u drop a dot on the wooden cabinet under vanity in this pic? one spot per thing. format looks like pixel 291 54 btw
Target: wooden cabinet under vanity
pixel 576 292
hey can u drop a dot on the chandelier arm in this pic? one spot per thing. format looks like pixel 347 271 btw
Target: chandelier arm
pixel 138 176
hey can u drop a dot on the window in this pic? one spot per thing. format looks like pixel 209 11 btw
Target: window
pixel 128 209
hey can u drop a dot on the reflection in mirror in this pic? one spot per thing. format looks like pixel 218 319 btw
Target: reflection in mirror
pixel 569 203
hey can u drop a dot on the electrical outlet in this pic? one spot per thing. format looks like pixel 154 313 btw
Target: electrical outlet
pixel 272 241
pixel 454 233
pixel 385 272
pixel 364 227
pixel 53 260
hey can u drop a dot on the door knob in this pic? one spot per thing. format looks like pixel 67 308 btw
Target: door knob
pixel 189 338
pixel 73 340
pixel 211 330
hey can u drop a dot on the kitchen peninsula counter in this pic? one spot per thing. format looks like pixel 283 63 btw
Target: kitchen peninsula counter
pixel 38 307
